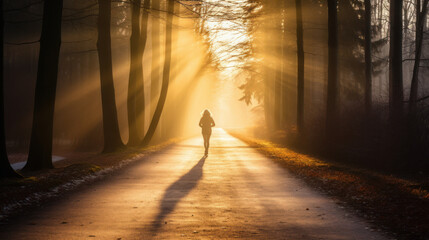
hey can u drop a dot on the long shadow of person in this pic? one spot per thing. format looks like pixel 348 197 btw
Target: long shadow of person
pixel 176 191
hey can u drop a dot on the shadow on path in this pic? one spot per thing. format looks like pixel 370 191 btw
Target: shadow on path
pixel 176 191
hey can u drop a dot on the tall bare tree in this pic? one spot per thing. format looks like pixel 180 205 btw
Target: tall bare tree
pixel 368 58
pixel 112 137
pixel 300 66
pixel 5 169
pixel 140 96
pixel 156 54
pixel 395 61
pixel 278 78
pixel 269 7
pixel 332 102
pixel 165 74
pixel 421 15
pixel 136 73
pixel 40 153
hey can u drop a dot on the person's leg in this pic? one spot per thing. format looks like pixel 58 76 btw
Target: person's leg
pixel 208 141
pixel 205 142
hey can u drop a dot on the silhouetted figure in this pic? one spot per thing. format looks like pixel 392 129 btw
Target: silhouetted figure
pixel 206 124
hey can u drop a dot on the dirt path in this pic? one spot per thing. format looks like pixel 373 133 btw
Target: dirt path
pixel 234 193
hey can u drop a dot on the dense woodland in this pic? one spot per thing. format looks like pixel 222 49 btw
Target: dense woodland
pixel 346 79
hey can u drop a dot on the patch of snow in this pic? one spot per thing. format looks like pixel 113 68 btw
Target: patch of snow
pixel 20 165
pixel 57 158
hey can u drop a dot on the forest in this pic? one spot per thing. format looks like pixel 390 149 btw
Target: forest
pixel 344 82
pixel 342 78
pixel 347 79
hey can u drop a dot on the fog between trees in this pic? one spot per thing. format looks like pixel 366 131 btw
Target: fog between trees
pixel 317 75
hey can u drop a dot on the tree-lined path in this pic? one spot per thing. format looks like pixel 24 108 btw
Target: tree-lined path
pixel 234 193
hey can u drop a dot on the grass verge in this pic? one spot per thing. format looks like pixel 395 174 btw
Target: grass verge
pixel 393 204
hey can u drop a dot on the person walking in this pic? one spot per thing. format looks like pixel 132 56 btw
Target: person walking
pixel 206 124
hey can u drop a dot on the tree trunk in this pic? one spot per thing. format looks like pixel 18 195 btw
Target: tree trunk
pixel 269 74
pixel 395 61
pixel 112 137
pixel 140 96
pixel 156 55
pixel 5 169
pixel 136 74
pixel 278 78
pixel 421 18
pixel 40 152
pixel 331 113
pixel 165 75
pixel 368 59
pixel 300 66
pixel 172 129
pixel 284 110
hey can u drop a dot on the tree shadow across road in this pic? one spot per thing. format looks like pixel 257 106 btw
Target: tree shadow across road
pixel 176 191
